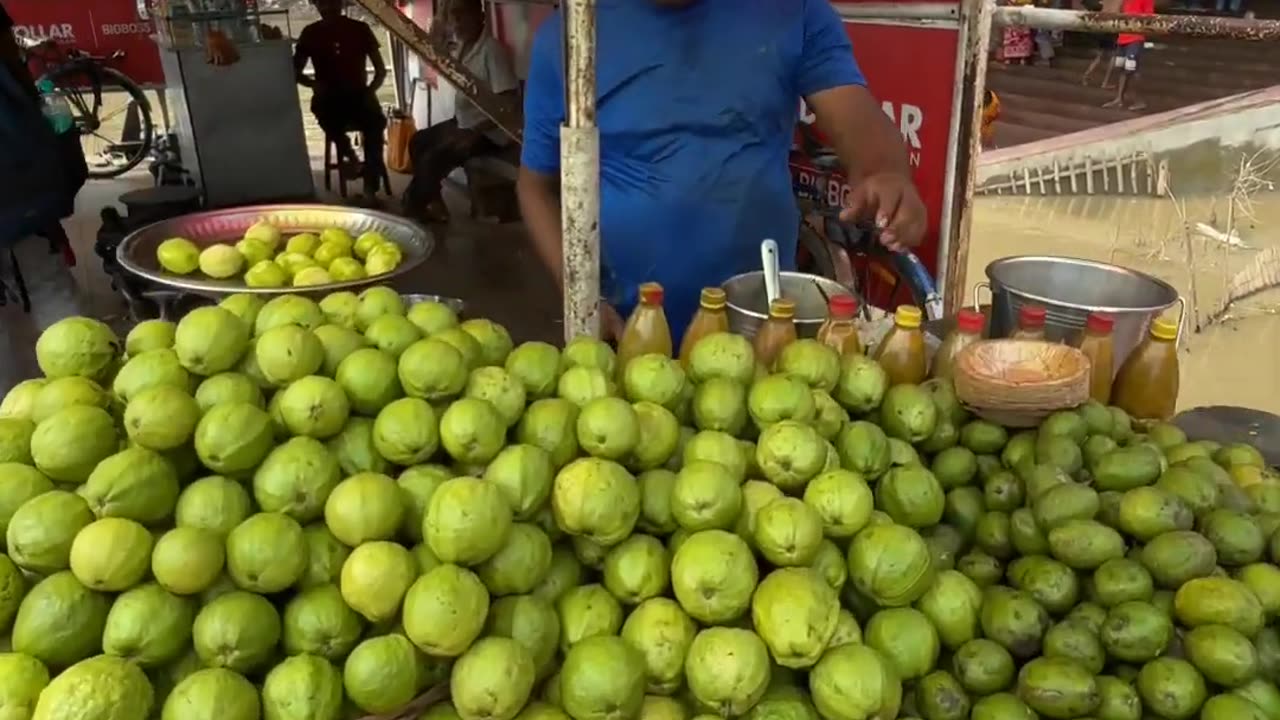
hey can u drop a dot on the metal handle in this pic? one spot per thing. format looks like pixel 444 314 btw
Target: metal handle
pixel 1182 322
pixel 977 304
pixel 769 261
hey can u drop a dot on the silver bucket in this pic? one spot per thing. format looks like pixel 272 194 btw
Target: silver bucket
pixel 749 302
pixel 1069 289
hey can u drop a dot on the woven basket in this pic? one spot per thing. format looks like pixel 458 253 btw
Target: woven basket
pixel 1017 383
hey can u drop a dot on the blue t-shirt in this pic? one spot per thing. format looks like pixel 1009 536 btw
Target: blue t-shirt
pixel 697 107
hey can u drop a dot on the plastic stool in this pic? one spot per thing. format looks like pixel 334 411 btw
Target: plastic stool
pixel 333 163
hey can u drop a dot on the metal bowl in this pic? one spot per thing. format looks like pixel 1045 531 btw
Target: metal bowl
pixel 749 302
pixel 137 252
pixel 1069 289
pixel 455 304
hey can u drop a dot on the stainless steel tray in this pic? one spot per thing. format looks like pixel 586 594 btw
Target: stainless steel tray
pixel 137 252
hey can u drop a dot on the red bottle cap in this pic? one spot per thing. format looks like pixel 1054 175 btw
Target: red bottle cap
pixel 1031 316
pixel 970 321
pixel 843 307
pixel 651 293
pixel 1099 323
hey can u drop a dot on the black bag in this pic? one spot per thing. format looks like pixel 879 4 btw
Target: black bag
pixel 36 188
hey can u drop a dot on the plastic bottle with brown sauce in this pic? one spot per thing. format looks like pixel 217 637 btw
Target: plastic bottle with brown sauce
pixel 710 318
pixel 968 330
pixel 1098 345
pixel 1147 384
pixel 840 332
pixel 647 330
pixel 776 333
pixel 1030 323
pixel 902 352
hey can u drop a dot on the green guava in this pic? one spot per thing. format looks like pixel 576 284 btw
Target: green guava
pixel 537 366
pixel 210 340
pixel 102 686
pixel 495 341
pixel 597 499
pixel 288 310
pixel 363 508
pixel 69 444
pixel 314 406
pixel 233 438
pixel 161 418
pixel 303 687
pixel 433 370
pixel 135 483
pixel 296 478
pixel 77 346
pixel 266 553
pixel 375 578
pixel 148 369
pixel 238 631
pixel 149 626
pixel 318 622
pixel 188 560
pixel 445 610
pixel 213 503
pixel 432 317
pixel 111 555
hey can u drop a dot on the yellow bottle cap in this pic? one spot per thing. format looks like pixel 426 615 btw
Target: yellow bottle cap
pixel 713 298
pixel 782 308
pixel 1162 329
pixel 907 316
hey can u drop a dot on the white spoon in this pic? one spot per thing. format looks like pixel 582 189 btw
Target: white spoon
pixel 769 263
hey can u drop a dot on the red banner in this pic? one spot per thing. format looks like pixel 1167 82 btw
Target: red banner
pixel 98 27
pixel 912 71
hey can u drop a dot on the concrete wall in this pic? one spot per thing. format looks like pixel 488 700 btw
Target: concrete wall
pixel 1192 149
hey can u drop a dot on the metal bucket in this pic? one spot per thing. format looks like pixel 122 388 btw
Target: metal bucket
pixel 1069 289
pixel 749 304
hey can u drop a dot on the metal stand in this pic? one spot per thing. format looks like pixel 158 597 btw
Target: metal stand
pixel 580 174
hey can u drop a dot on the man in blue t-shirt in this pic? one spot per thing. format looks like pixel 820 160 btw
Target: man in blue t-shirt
pixel 697 105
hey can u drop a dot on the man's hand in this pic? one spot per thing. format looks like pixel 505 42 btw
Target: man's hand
pixel 890 200
pixel 611 322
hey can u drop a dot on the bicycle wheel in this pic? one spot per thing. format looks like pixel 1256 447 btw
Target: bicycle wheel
pixel 100 99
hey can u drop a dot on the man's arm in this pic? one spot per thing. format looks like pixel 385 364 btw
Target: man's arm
pixel 860 133
pixel 538 184
pixel 301 56
pixel 869 147
pixel 375 57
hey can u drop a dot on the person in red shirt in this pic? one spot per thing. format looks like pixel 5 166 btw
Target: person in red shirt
pixel 345 99
pixel 1128 50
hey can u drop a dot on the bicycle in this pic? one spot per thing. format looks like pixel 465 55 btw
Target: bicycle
pixel 850 254
pixel 82 78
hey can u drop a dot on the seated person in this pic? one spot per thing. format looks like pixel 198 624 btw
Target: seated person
pixel 345 99
pixel 443 147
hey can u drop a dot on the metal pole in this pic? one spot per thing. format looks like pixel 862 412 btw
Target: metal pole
pixel 975 77
pixel 1097 22
pixel 580 174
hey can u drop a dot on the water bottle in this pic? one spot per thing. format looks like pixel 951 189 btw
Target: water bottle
pixel 56 109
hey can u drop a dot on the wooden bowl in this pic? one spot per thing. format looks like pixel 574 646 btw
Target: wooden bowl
pixel 1017 383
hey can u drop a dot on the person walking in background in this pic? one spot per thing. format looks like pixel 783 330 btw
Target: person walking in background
pixel 1105 50
pixel 1128 51
pixel 345 99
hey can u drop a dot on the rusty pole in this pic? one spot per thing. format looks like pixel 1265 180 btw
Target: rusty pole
pixel 1110 23
pixel 580 173
pixel 975 80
